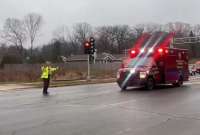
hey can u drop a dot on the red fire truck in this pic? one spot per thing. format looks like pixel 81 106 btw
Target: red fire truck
pixel 155 63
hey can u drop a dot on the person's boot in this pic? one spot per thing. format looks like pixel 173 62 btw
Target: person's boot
pixel 46 93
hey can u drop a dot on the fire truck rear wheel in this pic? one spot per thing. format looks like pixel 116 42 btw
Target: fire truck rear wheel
pixel 150 84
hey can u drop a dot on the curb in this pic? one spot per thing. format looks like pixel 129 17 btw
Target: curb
pixel 26 86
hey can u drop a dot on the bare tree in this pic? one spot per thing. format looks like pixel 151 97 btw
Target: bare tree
pixel 107 39
pixel 14 34
pixel 68 39
pixel 62 33
pixel 122 36
pixel 115 39
pixel 103 41
pixel 74 44
pixel 139 28
pixel 196 29
pixel 33 24
pixel 152 27
pixel 180 28
pixel 82 31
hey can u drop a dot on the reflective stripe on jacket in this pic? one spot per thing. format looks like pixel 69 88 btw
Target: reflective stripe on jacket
pixel 47 71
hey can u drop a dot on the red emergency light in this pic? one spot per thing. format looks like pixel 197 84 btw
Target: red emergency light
pixel 133 52
pixel 160 50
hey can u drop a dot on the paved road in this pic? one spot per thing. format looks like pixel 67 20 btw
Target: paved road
pixel 102 110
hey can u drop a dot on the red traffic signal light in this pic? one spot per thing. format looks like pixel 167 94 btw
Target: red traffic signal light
pixel 87 47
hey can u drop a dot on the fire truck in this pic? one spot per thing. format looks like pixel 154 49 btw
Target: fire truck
pixel 154 61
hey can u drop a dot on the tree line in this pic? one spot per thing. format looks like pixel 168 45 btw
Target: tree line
pixel 114 39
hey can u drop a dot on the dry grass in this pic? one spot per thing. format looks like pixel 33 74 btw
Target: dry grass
pixel 34 75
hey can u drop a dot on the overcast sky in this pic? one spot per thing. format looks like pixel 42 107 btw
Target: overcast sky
pixel 101 12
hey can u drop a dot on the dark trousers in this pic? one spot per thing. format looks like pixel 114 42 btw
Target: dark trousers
pixel 45 85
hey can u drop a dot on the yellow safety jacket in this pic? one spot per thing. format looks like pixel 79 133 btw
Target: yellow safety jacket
pixel 47 71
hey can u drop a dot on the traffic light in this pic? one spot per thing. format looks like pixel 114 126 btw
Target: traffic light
pixel 92 43
pixel 87 47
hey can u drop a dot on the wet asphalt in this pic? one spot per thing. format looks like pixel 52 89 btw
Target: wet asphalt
pixel 102 109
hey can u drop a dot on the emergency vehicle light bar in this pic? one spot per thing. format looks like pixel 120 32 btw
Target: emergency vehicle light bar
pixel 151 50
pixel 133 52
pixel 160 50
pixel 142 50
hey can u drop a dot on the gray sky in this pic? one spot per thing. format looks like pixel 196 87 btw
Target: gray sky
pixel 101 12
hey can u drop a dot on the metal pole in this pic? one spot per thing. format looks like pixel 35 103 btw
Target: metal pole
pixel 94 57
pixel 88 76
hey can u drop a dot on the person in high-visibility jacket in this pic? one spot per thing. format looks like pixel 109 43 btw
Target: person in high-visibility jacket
pixel 47 72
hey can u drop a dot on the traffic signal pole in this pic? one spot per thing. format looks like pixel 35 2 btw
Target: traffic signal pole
pixel 88 74
pixel 89 49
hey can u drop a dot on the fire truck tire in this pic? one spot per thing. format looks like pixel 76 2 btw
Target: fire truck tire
pixel 179 83
pixel 150 84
